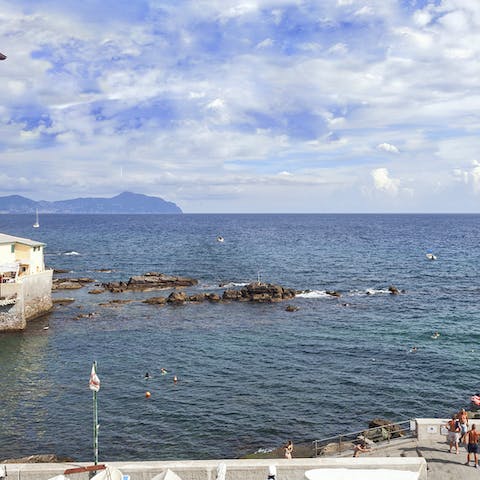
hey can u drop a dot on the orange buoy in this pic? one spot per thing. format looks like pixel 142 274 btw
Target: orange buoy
pixel 148 394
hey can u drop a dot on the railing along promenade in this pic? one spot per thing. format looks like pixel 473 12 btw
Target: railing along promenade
pixel 378 436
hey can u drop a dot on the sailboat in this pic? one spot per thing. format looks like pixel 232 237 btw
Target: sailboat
pixel 36 224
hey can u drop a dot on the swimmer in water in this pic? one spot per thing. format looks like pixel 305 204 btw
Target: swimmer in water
pixel 175 379
pixel 413 349
pixel 163 371
pixel 147 376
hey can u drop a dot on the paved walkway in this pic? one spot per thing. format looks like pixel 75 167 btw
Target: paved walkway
pixel 442 465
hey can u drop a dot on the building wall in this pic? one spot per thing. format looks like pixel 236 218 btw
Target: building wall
pixel 12 317
pixel 32 256
pixel 37 264
pixel 37 294
pixel 34 298
pixel 6 255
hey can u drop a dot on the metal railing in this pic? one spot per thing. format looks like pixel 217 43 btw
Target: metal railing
pixel 380 435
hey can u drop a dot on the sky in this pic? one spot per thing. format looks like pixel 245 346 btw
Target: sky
pixel 248 106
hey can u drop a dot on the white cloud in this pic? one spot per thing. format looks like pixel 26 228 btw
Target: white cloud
pixel 469 176
pixel 197 89
pixel 384 183
pixel 268 42
pixel 387 147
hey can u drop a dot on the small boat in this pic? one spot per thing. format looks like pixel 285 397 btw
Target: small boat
pixel 431 256
pixel 36 224
pixel 220 239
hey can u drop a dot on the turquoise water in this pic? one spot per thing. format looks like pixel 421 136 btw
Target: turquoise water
pixel 250 376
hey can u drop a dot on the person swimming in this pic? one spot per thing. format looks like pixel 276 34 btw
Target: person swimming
pixel 147 376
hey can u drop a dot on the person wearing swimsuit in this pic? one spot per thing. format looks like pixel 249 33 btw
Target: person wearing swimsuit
pixel 288 449
pixel 453 433
pixel 472 445
pixel 463 419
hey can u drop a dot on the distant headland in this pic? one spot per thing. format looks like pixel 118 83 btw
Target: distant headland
pixel 125 202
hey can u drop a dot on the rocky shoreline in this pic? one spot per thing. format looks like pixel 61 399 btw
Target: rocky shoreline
pixel 259 292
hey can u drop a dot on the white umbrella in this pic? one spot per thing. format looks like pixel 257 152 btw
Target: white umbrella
pixel 221 471
pixel 166 475
pixel 109 474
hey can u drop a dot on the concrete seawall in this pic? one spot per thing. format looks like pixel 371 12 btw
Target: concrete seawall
pixel 236 469
pixel 33 298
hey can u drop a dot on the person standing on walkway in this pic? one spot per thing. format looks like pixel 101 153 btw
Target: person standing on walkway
pixel 463 420
pixel 288 449
pixel 453 433
pixel 472 446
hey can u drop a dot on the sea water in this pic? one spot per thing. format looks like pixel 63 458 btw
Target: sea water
pixel 249 375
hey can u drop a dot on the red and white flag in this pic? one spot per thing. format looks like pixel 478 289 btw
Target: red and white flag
pixel 94 382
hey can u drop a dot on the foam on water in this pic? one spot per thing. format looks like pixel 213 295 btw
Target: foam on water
pixel 314 294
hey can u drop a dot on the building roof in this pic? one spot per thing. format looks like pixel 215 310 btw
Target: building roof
pixel 7 239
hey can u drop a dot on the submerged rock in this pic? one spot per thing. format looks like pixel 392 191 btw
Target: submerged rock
pixel 333 293
pixel 62 301
pixel 96 291
pixel 70 283
pixel 393 290
pixel 291 308
pixel 156 301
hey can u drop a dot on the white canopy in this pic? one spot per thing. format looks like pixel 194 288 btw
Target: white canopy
pixel 109 474
pixel 8 267
pixel 360 474
pixel 166 475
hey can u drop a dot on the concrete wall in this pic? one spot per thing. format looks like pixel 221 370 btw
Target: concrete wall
pixel 37 292
pixel 431 429
pixel 236 469
pixel 11 315
pixel 34 298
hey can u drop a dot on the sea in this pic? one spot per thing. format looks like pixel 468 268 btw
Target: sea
pixel 250 376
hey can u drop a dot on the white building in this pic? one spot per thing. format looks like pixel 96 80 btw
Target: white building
pixel 25 285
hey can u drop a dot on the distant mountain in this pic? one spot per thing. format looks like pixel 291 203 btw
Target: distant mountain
pixel 126 202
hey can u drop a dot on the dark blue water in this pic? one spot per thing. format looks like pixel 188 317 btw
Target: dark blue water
pixel 250 375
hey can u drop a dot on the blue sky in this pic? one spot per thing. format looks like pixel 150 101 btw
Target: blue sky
pixel 244 106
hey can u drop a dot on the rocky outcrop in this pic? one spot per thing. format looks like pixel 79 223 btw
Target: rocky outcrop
pixel 260 292
pixel 213 297
pixel 70 283
pixel 380 429
pixel 197 297
pixel 46 458
pixel 177 297
pixel 156 301
pixel 150 281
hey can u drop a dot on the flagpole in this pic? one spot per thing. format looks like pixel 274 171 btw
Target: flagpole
pixel 95 421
